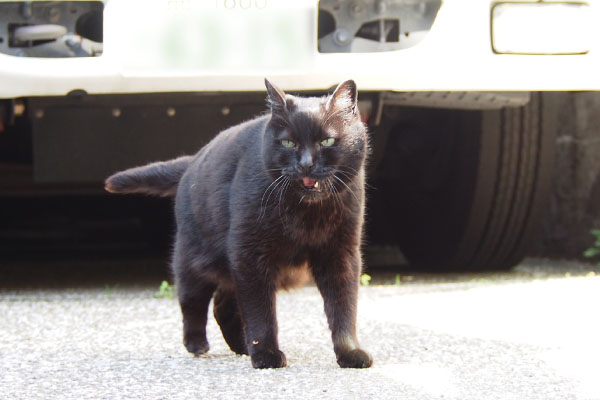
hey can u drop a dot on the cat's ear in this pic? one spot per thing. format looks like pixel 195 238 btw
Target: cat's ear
pixel 344 97
pixel 276 98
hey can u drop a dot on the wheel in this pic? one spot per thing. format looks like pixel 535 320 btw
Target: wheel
pixel 463 190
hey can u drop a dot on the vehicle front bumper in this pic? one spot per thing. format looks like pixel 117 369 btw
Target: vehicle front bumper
pixel 205 46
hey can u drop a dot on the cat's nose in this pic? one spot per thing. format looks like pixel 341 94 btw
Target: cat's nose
pixel 305 165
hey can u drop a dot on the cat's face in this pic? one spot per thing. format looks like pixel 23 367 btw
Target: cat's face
pixel 314 146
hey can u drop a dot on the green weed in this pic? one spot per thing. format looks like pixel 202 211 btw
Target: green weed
pixel 165 291
pixel 594 251
pixel 109 290
pixel 365 279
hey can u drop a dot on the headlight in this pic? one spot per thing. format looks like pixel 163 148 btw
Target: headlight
pixel 541 28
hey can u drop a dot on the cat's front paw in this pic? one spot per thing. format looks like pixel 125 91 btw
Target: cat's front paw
pixel 268 359
pixel 196 345
pixel 356 358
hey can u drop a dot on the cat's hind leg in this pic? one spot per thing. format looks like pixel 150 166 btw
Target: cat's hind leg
pixel 194 295
pixel 229 318
pixel 194 300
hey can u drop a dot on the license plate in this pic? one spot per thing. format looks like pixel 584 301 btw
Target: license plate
pixel 217 36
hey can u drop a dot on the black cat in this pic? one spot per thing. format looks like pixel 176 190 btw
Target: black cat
pixel 262 200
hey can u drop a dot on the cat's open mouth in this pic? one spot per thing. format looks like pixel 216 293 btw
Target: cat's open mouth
pixel 311 184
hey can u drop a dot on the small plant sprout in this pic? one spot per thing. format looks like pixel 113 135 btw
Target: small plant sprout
pixel 165 291
pixel 108 290
pixel 398 280
pixel 593 251
pixel 365 279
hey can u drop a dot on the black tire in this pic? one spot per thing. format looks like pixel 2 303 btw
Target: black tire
pixel 464 190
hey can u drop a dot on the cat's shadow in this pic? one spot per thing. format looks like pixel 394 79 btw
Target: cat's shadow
pixel 219 356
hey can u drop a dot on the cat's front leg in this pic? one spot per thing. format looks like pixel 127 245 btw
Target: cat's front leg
pixel 228 316
pixel 256 293
pixel 338 277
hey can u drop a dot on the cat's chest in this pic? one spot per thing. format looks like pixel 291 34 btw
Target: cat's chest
pixel 312 225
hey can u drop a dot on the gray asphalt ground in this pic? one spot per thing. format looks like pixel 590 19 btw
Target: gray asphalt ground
pixel 529 334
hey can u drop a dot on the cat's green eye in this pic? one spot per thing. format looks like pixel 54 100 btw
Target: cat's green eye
pixel 288 144
pixel 328 142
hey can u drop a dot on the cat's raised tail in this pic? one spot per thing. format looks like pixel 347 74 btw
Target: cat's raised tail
pixel 159 178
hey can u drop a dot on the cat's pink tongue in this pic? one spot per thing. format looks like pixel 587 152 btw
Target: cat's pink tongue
pixel 308 182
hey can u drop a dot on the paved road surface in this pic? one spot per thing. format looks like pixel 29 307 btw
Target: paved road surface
pixel 530 334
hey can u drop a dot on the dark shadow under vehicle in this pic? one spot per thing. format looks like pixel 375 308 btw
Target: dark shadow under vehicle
pixel 453 189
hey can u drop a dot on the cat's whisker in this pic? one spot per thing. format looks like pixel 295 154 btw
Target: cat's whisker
pixel 352 174
pixel 351 177
pixel 348 168
pixel 263 209
pixel 287 187
pixel 274 190
pixel 338 196
pixel 332 189
pixel 265 192
pixel 346 174
pixel 282 191
pixel 347 187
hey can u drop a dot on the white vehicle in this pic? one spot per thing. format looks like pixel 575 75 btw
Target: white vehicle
pixel 462 137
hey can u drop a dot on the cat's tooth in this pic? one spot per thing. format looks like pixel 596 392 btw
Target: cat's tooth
pixel 316 184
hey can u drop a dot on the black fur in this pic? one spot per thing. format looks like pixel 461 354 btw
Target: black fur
pixel 159 178
pixel 251 213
